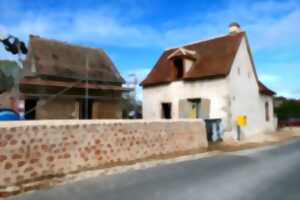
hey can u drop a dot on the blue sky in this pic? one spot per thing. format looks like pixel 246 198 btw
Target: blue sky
pixel 134 33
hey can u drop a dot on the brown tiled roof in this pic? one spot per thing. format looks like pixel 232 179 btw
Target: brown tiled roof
pixel 214 58
pixel 264 90
pixel 58 60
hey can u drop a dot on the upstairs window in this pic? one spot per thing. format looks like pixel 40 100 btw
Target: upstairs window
pixel 179 70
pixel 239 71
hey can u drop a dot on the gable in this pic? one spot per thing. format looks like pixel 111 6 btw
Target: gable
pixel 243 71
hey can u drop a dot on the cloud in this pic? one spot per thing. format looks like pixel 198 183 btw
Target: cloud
pixel 297 92
pixel 89 26
pixel 269 78
pixel 274 6
pixel 107 25
pixel 278 33
pixel 6 55
pixel 289 94
pixel 272 26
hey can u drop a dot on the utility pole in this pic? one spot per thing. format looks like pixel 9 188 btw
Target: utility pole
pixel 133 83
pixel 17 81
pixel 86 114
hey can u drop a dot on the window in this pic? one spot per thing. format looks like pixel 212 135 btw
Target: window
pixel 178 63
pixel 166 110
pixel 267 111
pixel 195 108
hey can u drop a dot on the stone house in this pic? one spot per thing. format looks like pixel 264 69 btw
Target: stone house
pixel 66 81
pixel 210 79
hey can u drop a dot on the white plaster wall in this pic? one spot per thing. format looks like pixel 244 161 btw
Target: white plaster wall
pixel 245 96
pixel 216 90
pixel 270 125
pixel 187 64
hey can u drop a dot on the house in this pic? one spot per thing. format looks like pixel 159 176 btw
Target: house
pixel 210 79
pixel 66 81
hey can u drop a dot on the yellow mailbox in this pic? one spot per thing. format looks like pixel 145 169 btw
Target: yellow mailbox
pixel 241 120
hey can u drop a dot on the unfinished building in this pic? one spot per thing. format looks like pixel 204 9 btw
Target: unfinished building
pixel 65 81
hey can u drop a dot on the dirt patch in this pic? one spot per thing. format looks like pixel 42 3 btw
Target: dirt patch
pixel 279 136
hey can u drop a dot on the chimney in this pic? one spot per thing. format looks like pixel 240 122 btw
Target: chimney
pixel 234 27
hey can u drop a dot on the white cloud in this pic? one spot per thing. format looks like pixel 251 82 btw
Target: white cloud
pixel 297 93
pixel 274 6
pixel 278 33
pixel 108 26
pixel 269 78
pixel 6 55
pixel 287 94
pixel 270 25
pixel 3 32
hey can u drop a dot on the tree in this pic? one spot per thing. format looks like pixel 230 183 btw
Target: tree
pixel 288 109
pixel 9 73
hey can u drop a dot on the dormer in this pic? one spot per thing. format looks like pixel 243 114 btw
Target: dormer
pixel 182 61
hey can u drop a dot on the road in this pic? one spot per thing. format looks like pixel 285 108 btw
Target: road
pixel 269 173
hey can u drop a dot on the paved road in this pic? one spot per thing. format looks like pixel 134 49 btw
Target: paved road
pixel 271 173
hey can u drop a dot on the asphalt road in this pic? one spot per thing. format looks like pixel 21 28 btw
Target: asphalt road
pixel 269 173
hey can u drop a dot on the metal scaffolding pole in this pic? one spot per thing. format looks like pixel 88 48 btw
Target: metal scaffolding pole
pixel 86 88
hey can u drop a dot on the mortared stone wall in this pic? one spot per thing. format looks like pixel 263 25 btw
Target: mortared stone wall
pixel 33 150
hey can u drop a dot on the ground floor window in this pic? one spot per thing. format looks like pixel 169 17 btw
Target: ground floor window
pixel 195 108
pixel 267 111
pixel 166 110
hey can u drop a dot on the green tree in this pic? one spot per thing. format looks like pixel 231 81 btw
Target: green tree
pixel 9 73
pixel 288 109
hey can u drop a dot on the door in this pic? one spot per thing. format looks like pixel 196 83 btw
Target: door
pixel 86 108
pixel 30 106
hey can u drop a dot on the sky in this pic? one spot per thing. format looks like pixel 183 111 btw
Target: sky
pixel 134 33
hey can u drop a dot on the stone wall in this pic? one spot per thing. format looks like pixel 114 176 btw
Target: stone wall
pixel 32 150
